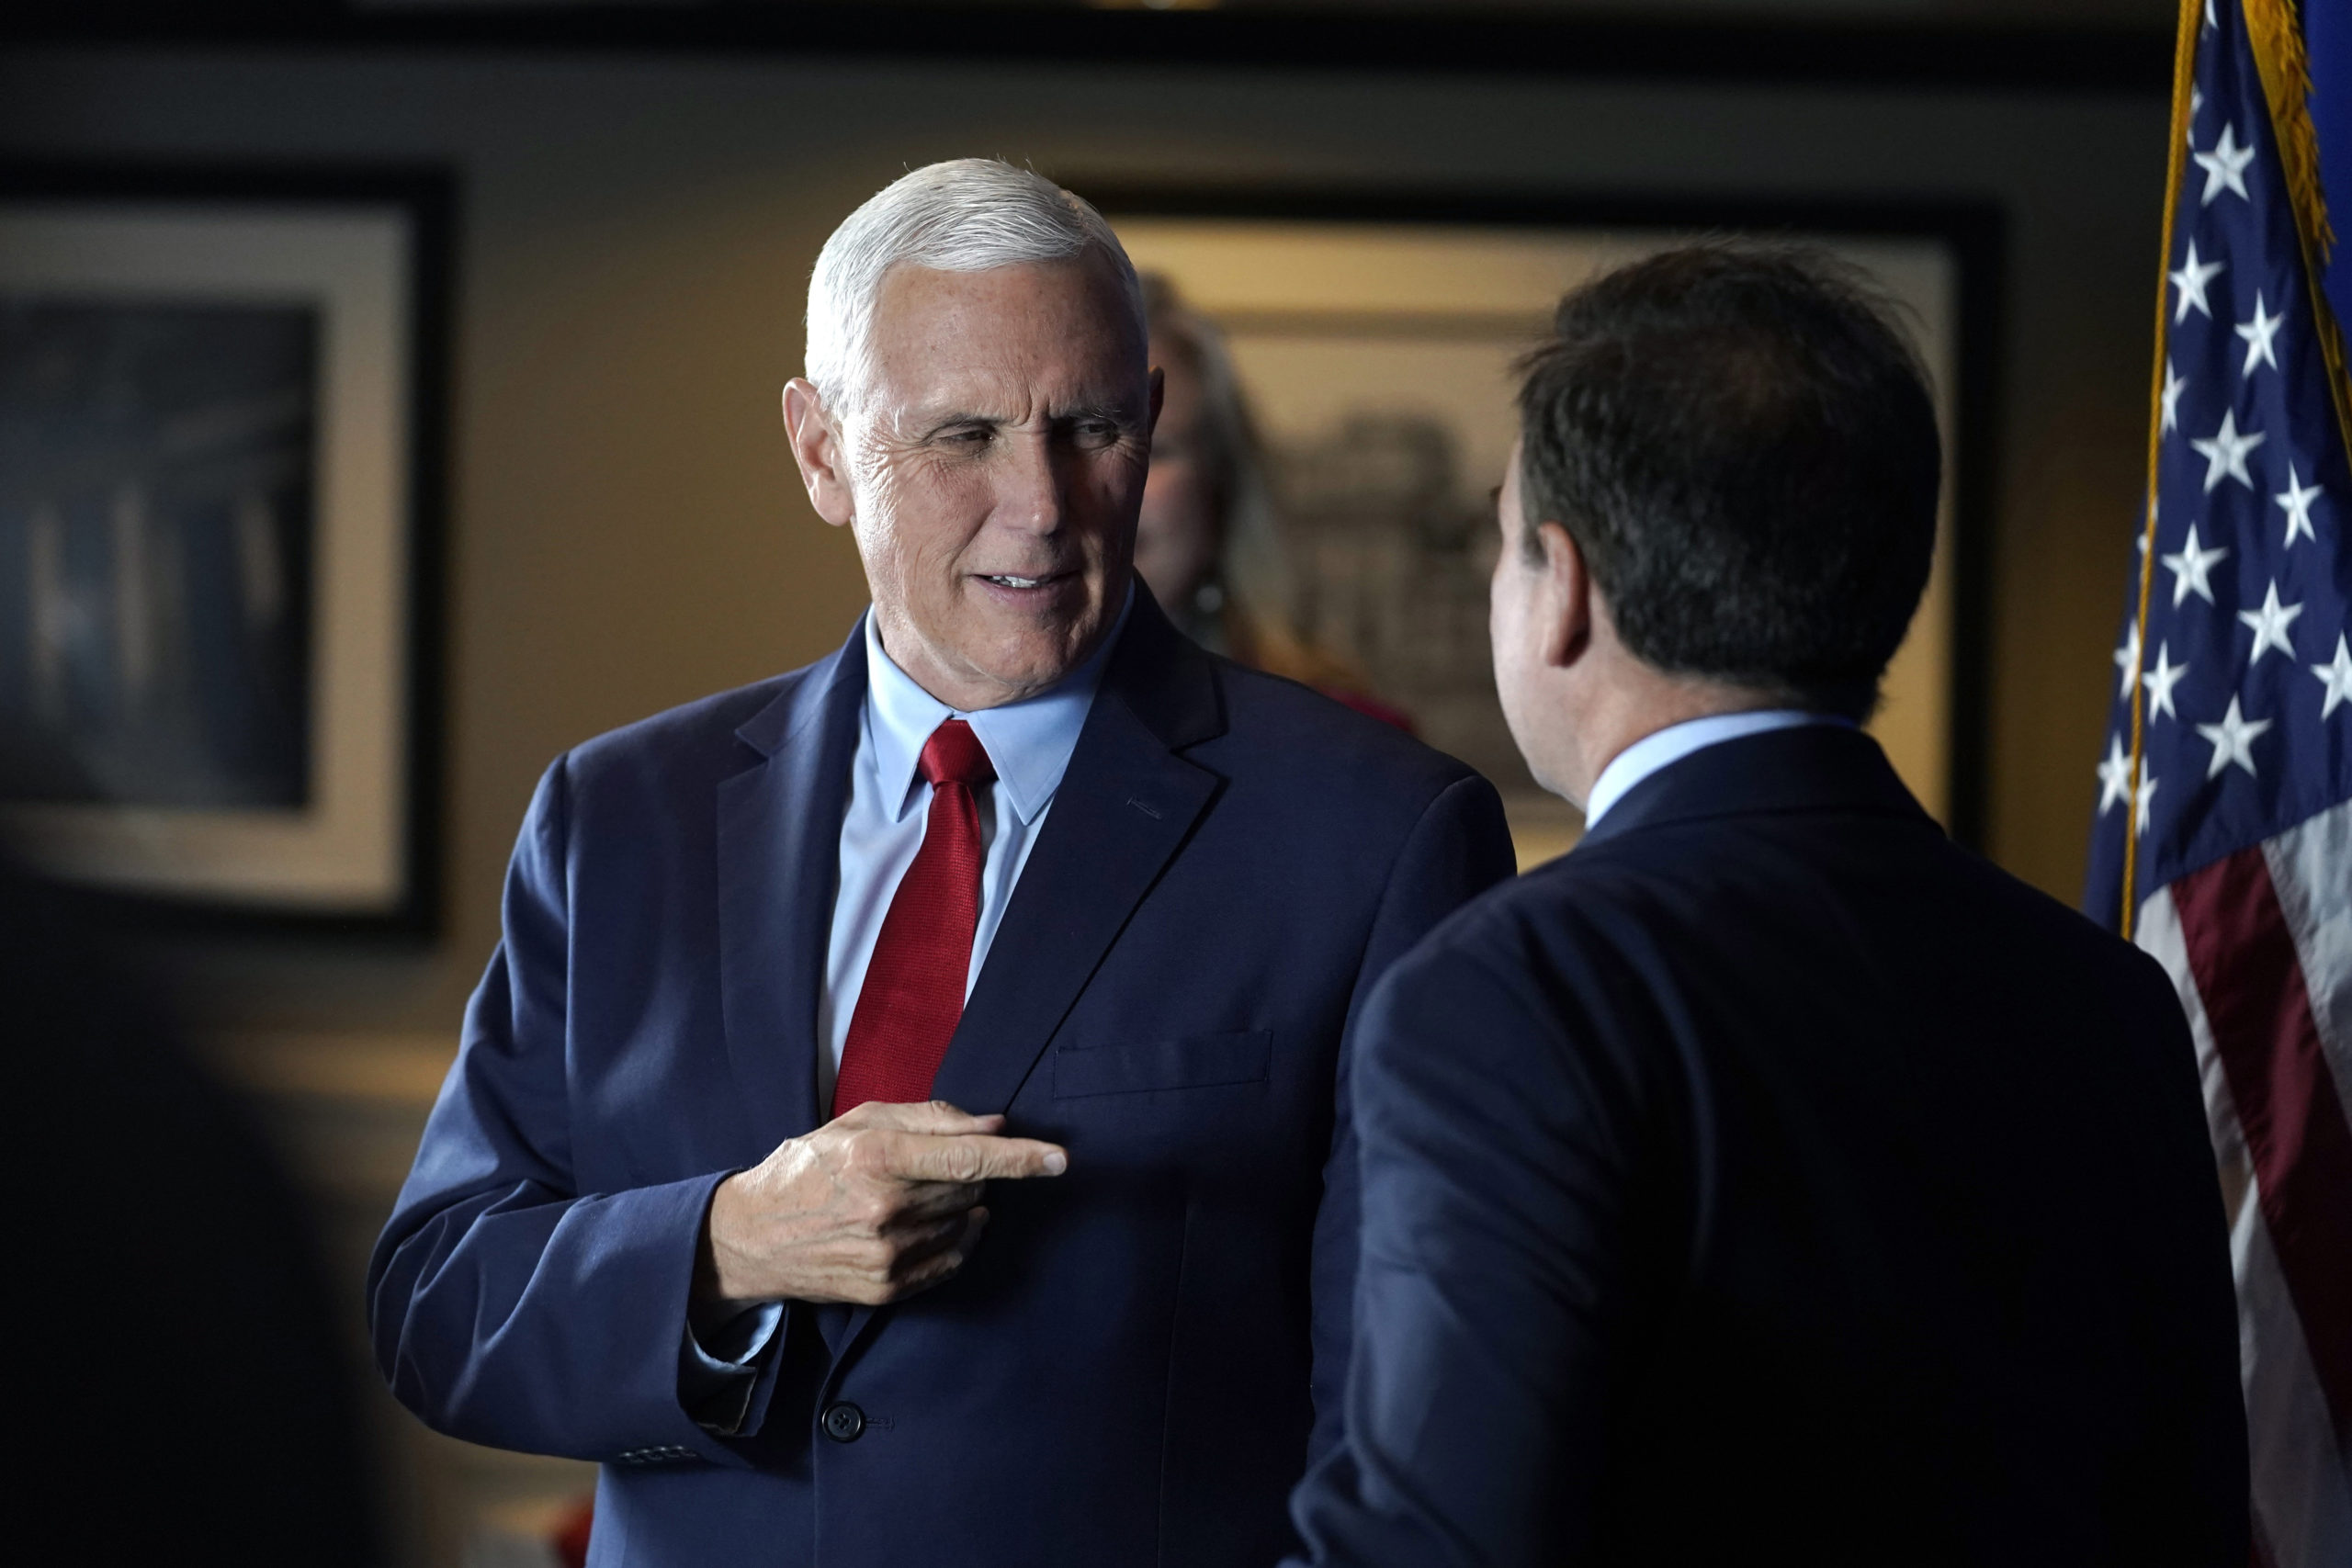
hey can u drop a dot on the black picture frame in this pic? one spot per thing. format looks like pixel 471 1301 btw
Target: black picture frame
pixel 420 203
pixel 1976 233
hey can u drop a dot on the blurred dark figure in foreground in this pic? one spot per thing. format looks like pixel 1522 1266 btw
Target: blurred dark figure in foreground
pixel 179 1382
pixel 1767 1180
pixel 1208 540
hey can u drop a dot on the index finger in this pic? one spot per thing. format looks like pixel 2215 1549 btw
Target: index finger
pixel 976 1156
pixel 936 1116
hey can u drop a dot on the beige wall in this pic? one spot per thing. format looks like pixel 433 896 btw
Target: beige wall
pixel 625 531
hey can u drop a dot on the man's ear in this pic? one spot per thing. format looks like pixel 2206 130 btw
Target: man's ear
pixel 818 447
pixel 1159 396
pixel 1566 603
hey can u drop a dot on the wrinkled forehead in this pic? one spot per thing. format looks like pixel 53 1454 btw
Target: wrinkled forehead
pixel 1067 326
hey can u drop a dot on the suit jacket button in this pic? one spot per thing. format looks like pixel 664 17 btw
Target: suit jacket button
pixel 843 1421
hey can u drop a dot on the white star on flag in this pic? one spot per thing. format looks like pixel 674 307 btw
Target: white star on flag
pixel 2114 776
pixel 2191 569
pixel 2127 658
pixel 2141 797
pixel 2224 452
pixel 2270 624
pixel 2257 334
pixel 2338 674
pixel 2224 166
pixel 2173 386
pixel 2159 680
pixel 2231 739
pixel 2191 280
pixel 2296 498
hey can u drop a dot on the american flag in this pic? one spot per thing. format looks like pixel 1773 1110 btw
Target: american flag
pixel 2223 835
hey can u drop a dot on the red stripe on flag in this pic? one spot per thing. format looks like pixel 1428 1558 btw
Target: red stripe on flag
pixel 2244 958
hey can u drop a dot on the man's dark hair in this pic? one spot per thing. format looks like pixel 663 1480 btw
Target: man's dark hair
pixel 1742 443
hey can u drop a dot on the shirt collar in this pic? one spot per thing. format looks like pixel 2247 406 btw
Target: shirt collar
pixel 1029 741
pixel 1662 748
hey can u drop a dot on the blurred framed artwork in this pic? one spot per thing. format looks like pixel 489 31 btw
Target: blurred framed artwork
pixel 1372 341
pixel 219 404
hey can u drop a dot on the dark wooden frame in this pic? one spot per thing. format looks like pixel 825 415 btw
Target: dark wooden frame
pixel 1492 40
pixel 429 198
pixel 1976 234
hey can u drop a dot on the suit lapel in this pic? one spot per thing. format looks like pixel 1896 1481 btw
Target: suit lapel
pixel 1125 804
pixel 1117 818
pixel 779 859
pixel 1124 807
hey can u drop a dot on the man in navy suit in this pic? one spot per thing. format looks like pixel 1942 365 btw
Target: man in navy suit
pixel 1766 1180
pixel 1019 913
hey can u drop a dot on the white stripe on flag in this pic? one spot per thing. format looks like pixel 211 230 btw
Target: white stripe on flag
pixel 2302 1491
pixel 2302 1495
pixel 2157 931
pixel 2309 870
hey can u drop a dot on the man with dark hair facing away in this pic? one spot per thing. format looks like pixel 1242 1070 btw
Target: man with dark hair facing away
pixel 1767 1180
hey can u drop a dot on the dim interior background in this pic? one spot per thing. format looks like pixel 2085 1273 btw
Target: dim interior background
pixel 635 225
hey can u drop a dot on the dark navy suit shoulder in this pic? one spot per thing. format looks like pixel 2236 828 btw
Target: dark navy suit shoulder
pixel 1273 710
pixel 1321 757
pixel 698 734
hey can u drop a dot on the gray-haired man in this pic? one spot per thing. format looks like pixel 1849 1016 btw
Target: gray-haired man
pixel 1020 911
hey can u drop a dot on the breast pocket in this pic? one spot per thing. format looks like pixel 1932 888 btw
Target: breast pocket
pixel 1193 1062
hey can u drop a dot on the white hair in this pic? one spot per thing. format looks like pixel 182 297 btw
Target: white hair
pixel 964 215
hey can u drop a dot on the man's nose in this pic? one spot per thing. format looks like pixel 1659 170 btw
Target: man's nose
pixel 1032 484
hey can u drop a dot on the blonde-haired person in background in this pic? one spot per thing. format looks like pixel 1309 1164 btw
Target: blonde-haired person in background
pixel 1209 539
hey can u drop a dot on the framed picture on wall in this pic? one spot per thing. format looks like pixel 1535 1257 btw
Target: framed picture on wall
pixel 219 487
pixel 1371 339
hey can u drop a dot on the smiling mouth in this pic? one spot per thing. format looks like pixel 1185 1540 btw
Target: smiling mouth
pixel 1006 579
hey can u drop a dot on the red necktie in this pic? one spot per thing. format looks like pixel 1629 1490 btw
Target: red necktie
pixel 914 983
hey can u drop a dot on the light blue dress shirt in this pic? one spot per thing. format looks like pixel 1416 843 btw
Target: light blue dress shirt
pixel 1030 744
pixel 1675 741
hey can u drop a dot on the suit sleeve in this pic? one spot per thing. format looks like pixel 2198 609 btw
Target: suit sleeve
pixel 1460 847
pixel 1495 1285
pixel 508 1307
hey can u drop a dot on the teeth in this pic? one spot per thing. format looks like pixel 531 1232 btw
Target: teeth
pixel 1018 582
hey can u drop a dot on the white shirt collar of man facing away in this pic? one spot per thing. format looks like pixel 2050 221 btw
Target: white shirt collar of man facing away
pixel 1663 748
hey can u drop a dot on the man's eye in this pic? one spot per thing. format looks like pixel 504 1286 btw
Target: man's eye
pixel 967 435
pixel 1097 433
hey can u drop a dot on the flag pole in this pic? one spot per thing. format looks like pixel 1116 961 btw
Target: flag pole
pixel 2184 73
